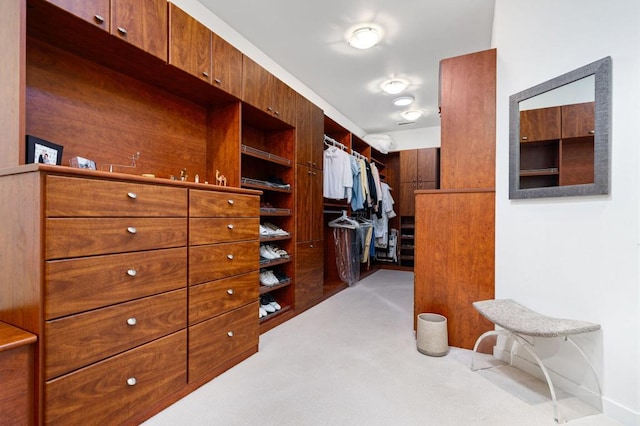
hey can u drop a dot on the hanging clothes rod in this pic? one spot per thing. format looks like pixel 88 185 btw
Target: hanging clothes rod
pixel 328 140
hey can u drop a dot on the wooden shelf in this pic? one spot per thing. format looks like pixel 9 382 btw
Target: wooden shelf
pixel 269 288
pixel 256 153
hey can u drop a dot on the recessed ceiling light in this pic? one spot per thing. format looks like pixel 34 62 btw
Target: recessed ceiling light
pixel 404 100
pixel 394 86
pixel 412 114
pixel 364 37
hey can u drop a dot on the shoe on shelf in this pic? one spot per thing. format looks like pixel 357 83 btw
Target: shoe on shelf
pixel 272 278
pixel 273 302
pixel 262 312
pixel 281 277
pixel 274 230
pixel 280 252
pixel 267 278
pixel 268 254
pixel 266 305
pixel 264 231
pixel 273 250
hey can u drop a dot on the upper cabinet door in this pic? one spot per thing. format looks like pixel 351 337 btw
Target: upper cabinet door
pixel 427 165
pixel 226 66
pixel 256 87
pixel 264 91
pixel 283 101
pixel 541 124
pixel 189 44
pixel 309 131
pixel 578 120
pixel 94 11
pixel 408 165
pixel 142 23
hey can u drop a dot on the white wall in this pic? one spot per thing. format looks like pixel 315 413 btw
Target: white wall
pixel 426 137
pixel 576 257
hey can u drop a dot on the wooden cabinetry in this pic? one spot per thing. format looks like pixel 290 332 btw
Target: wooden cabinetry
pixel 266 92
pixel 309 181
pixel 17 370
pixel 104 286
pixel 455 226
pixel 419 169
pixel 557 146
pixel 200 52
pixel 143 23
pixel 226 67
pixel 223 280
pixel 455 259
pixel 189 44
pixel 467 104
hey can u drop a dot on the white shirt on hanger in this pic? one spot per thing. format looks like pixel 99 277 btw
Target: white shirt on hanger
pixel 338 180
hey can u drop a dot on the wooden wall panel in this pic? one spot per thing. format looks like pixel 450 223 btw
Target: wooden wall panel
pixel 468 121
pixel 455 261
pixel 107 117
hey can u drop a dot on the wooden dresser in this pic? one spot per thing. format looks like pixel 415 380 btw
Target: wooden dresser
pixel 117 275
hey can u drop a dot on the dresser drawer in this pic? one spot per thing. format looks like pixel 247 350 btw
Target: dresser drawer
pixel 216 297
pixel 112 391
pixel 68 196
pixel 214 342
pixel 206 230
pixel 222 204
pixel 213 262
pixel 87 237
pixel 78 340
pixel 81 284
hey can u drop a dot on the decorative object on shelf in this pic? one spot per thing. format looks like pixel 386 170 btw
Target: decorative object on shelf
pixel 82 163
pixel 221 180
pixel 43 151
pixel 183 175
pixel 134 157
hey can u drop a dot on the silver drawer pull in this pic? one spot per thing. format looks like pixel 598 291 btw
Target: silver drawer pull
pixel 524 138
pixel 132 195
pixel 217 80
pixel 230 291
pixel 132 229
pixel 131 381
pixel 132 321
pixel 592 132
pixel 132 272
pixel 230 256
pixel 122 31
pixel 230 226
pixel 205 74
pixel 99 18
pixel 230 333
pixel 230 201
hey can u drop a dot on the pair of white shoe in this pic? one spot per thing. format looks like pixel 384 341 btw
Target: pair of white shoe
pixel 270 230
pixel 268 278
pixel 269 252
pixel 268 305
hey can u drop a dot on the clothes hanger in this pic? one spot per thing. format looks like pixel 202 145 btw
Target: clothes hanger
pixel 344 221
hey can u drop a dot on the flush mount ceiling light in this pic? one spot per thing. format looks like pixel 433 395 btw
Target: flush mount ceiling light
pixel 364 37
pixel 411 115
pixel 404 100
pixel 394 86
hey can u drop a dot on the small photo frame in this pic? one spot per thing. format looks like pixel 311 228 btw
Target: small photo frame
pixel 42 151
pixel 82 163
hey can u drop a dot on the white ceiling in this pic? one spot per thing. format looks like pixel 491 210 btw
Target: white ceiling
pixel 308 40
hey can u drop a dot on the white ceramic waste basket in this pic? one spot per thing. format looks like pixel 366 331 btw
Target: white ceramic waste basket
pixel 432 336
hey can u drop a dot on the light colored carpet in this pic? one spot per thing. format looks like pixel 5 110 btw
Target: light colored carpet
pixel 352 360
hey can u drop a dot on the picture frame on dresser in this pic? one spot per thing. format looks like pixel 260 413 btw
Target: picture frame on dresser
pixel 43 151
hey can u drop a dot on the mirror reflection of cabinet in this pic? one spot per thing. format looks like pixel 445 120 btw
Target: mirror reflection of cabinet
pixel 557 146
pixel 559 135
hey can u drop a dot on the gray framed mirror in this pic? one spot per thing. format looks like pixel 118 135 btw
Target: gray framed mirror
pixel 559 135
